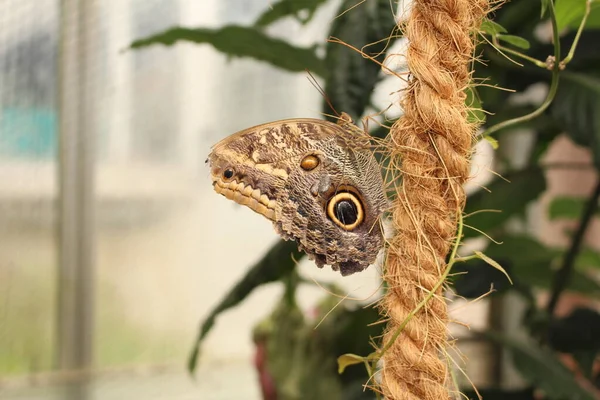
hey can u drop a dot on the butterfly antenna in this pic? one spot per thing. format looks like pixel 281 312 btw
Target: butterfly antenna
pixel 315 83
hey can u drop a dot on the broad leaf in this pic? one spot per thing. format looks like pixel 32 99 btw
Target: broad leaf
pixel 346 360
pixel 577 106
pixel 294 361
pixel 540 275
pixel 569 14
pixel 518 17
pixel 587 54
pixel 542 369
pixel 301 352
pixel 493 263
pixel 364 25
pixel 523 251
pixel 491 28
pixel 533 264
pixel 475 113
pixel 239 41
pixel 588 259
pixel 493 142
pixel 352 332
pixel 587 363
pixel 279 261
pixel 530 262
pixel 577 332
pixel 516 41
pixel 583 283
pixel 476 278
pixel 286 8
pixel 593 21
pixel 504 200
pixel 566 208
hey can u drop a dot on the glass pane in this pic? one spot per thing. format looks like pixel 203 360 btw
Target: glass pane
pixel 162 233
pixel 166 246
pixel 28 143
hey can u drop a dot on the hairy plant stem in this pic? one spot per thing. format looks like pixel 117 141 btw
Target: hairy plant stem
pixel 452 260
pixel 588 9
pixel 553 84
pixel 508 50
pixel 556 67
pixel 562 276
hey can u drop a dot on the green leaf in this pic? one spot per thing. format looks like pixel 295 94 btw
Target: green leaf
pixel 542 369
pixel 585 284
pixel 504 200
pixel 586 361
pixel 587 259
pixel 530 261
pixel 533 264
pixel 345 360
pixel 577 107
pixel 354 329
pixel 568 11
pixel 295 354
pixel 493 263
pixel 523 250
pixel 566 207
pixel 593 21
pixel 242 41
pixel 475 278
pixel 285 8
pixel 491 28
pixel 277 263
pixel 515 41
pixel 569 14
pixel 518 17
pixel 493 142
pixel 576 333
pixel 475 113
pixel 363 25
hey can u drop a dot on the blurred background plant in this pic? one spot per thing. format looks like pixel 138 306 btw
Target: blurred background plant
pixel 555 354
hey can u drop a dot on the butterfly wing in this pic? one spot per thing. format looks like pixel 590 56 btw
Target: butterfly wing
pixel 318 182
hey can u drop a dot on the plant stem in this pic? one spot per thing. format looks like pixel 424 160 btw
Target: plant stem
pixel 588 9
pixel 553 85
pixel 451 261
pixel 465 259
pixel 504 49
pixel 561 278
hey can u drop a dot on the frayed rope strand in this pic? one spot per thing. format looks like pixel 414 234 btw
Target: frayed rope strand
pixel 433 142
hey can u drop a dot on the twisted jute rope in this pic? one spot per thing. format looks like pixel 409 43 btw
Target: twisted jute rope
pixel 433 141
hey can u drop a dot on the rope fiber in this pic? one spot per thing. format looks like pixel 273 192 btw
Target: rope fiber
pixel 433 140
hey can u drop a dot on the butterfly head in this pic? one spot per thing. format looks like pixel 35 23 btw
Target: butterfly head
pixel 241 179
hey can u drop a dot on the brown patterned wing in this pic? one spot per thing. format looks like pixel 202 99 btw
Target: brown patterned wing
pixel 318 183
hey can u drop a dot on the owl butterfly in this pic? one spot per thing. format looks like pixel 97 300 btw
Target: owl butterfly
pixel 317 181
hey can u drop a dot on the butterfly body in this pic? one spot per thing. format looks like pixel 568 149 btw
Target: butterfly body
pixel 317 181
